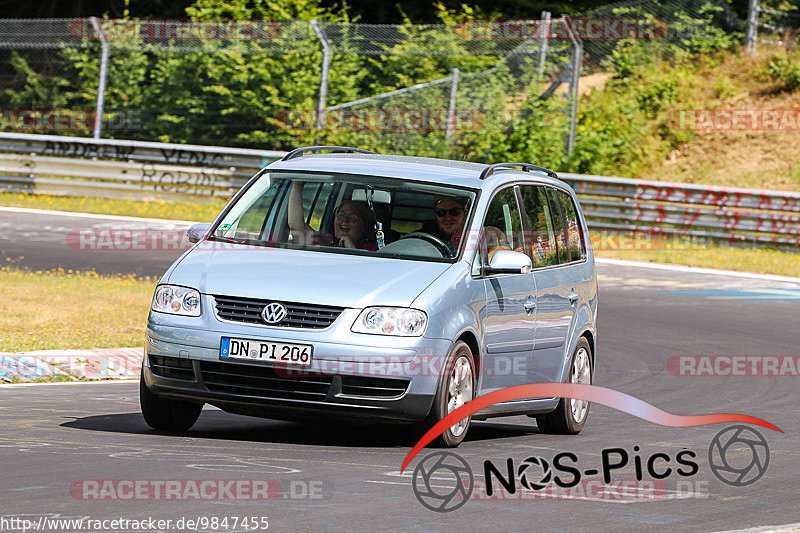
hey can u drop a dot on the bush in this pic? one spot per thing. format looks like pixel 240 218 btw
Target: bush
pixel 782 68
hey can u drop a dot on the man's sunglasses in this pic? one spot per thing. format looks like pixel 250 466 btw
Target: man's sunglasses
pixel 453 212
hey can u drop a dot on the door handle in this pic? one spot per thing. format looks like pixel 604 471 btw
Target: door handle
pixel 530 306
pixel 573 297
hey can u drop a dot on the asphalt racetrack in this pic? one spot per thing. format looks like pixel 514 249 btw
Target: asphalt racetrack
pixel 59 439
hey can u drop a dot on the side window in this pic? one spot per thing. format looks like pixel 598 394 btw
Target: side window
pixel 577 250
pixel 541 235
pixel 559 226
pixel 315 199
pixel 253 219
pixel 502 228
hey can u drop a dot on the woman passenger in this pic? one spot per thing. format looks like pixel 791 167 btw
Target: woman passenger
pixel 352 224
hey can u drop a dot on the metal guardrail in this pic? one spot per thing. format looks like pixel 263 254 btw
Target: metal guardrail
pixel 106 168
pixel 112 168
pixel 727 214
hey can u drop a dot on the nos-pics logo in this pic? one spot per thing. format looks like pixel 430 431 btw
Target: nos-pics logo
pixel 443 481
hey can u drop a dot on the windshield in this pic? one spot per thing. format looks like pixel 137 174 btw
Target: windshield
pixel 350 214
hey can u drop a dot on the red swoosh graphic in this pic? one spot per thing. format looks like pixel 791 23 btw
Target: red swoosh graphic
pixel 600 395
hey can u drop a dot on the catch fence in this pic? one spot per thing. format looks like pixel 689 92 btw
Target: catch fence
pixel 418 89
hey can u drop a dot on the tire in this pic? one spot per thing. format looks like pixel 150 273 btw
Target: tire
pixel 164 414
pixel 456 387
pixel 570 415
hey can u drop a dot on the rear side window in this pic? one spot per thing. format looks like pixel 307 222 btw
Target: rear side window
pixel 559 225
pixel 577 249
pixel 502 228
pixel 539 231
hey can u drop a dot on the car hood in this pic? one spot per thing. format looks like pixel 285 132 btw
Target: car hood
pixel 303 276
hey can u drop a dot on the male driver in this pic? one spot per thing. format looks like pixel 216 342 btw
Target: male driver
pixel 450 217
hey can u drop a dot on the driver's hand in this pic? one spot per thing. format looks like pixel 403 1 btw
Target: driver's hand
pixel 347 242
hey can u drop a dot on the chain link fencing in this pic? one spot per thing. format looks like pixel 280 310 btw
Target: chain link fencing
pixel 447 90
pixel 775 23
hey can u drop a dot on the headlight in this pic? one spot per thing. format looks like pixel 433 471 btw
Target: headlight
pixel 399 321
pixel 176 300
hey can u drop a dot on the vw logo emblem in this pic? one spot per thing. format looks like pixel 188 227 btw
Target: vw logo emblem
pixel 273 313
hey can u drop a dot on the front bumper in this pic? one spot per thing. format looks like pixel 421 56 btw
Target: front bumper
pixel 391 383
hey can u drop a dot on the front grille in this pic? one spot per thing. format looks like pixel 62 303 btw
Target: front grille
pixel 248 310
pixel 264 382
pixel 369 387
pixel 171 367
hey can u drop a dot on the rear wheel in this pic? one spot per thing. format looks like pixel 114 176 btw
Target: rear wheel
pixel 166 414
pixel 456 388
pixel 570 415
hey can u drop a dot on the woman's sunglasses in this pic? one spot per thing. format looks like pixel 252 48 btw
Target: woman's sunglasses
pixel 351 217
pixel 453 212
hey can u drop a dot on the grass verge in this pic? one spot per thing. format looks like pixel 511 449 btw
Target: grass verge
pixel 65 309
pixel 132 208
pixel 48 379
pixel 697 254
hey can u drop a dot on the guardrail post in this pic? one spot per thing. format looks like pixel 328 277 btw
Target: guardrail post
pixel 101 82
pixel 319 123
pixel 451 109
pixel 752 27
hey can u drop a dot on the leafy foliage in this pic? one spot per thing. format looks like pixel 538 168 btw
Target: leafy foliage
pixel 253 97
pixel 785 69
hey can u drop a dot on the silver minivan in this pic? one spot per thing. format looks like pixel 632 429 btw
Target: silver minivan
pixel 342 283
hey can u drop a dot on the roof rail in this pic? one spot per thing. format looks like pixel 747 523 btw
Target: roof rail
pixel 526 167
pixel 301 151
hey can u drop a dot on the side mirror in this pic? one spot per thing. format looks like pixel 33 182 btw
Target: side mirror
pixel 508 262
pixel 198 231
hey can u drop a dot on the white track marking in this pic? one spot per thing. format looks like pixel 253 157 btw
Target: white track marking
pixel 49 384
pixel 696 270
pixel 94 215
pixel 785 528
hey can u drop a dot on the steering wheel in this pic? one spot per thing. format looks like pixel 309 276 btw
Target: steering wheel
pixel 433 239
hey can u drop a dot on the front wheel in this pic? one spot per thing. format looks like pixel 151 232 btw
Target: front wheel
pixel 456 388
pixel 570 415
pixel 165 414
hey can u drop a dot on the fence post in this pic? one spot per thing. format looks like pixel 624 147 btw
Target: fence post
pixel 451 109
pixel 544 36
pixel 577 61
pixel 101 83
pixel 319 123
pixel 752 27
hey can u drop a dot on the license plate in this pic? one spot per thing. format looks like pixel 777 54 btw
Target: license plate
pixel 266 351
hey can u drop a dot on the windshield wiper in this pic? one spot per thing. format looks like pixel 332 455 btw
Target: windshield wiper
pixel 246 242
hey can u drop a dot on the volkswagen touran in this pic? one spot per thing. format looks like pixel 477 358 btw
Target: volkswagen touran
pixel 342 283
